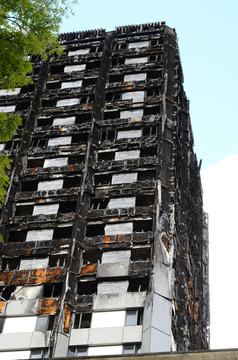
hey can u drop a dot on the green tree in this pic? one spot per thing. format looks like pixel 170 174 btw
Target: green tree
pixel 27 27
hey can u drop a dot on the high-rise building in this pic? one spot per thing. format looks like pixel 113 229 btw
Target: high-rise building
pixel 105 240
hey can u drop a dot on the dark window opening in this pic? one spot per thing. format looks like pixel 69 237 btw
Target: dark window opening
pixel 17 236
pixel 116 78
pixel 71 182
pixel 44 122
pixel 77 351
pixel 144 200
pixel 82 321
pixel 113 97
pixel 97 204
pixel 67 207
pixel 104 179
pixel 10 263
pixel 27 89
pixel 12 145
pixel 106 156
pixel 140 254
pixel 57 260
pixel 152 110
pixel 56 69
pixel 87 287
pixel 39 142
pixel 23 210
pixel 92 257
pixel 53 85
pixel 22 106
pixel 154 74
pixel 6 292
pixel 142 225
pixel 52 290
pixel 62 232
pixel 153 91
pixel 155 58
pixel 89 81
pixel 146 175
pixel 83 117
pixel 48 103
pixel 150 130
pixel 95 229
pixel 134 317
pixel 93 64
pixel 148 151
pixel 138 284
pixel 88 99
pixel 80 138
pixel 29 185
pixel 73 160
pixel 35 163
pixel 108 135
pixel 118 61
pixel 108 115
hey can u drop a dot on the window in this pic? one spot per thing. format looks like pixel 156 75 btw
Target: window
pixel 52 290
pixel 82 320
pixel 39 354
pixel 78 351
pixel 134 317
pixel 132 349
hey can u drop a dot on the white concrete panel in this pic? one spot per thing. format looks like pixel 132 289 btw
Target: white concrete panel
pixel 13 355
pixel 132 334
pixel 121 228
pixel 50 185
pixel 60 140
pixel 104 350
pixel 2 146
pixel 108 319
pixel 159 342
pixel 162 282
pixel 112 287
pixel 129 134
pixel 161 318
pixel 124 178
pixel 127 155
pixel 135 96
pixel 126 114
pixel 39 235
pixel 139 60
pixel 55 162
pixel 4 92
pixel 111 270
pixel 122 203
pixel 78 52
pixel 119 301
pixel 71 84
pixel 64 121
pixel 70 68
pixel 34 263
pixel 138 45
pixel 105 336
pixel 109 257
pixel 19 324
pixel 8 109
pixel 135 77
pixel 67 102
pixel 45 209
pixel 79 337
pixel 24 340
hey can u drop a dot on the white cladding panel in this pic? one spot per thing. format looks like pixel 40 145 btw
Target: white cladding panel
pixel 124 178
pixel 50 185
pixel 138 45
pixel 27 292
pixel 55 162
pixel 34 263
pixel 39 235
pixel 67 102
pixel 127 155
pixel 13 355
pixel 64 121
pixel 129 134
pixel 135 96
pixel 45 209
pixel 120 203
pixel 135 77
pixel 78 52
pixel 116 229
pixel 112 287
pixel 108 319
pixel 131 113
pixel 19 324
pixel 70 68
pixel 8 109
pixel 104 350
pixel 60 140
pixel 139 60
pixel 2 146
pixel 6 92
pixel 110 257
pixel 71 84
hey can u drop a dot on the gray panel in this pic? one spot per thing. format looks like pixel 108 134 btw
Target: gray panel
pixel 113 270
pixel 161 318
pixel 2 146
pixel 70 68
pixel 60 140
pixel 132 334
pixel 5 92
pixel 135 77
pixel 39 235
pixel 79 337
pixel 22 307
pixel 71 84
pixel 34 263
pixel 112 287
pixel 120 228
pixel 115 256
pixel 129 134
pixel 140 60
pixel 67 102
pixel 45 209
pixel 135 96
pixel 138 45
pixel 64 121
pixel 131 113
pixel 27 292
pixel 162 280
pixel 24 341
pixel 50 185
pixel 56 162
pixel 124 178
pixel 8 109
pixel 105 336
pixel 62 343
pixel 118 301
pixel 78 52
pixel 160 342
pixel 120 203
pixel 126 155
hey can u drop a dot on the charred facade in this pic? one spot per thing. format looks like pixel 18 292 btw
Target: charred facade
pixel 105 241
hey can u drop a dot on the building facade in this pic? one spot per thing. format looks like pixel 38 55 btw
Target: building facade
pixel 105 241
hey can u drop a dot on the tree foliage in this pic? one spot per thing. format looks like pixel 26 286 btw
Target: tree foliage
pixel 27 27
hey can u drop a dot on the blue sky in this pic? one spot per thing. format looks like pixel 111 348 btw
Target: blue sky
pixel 208 42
